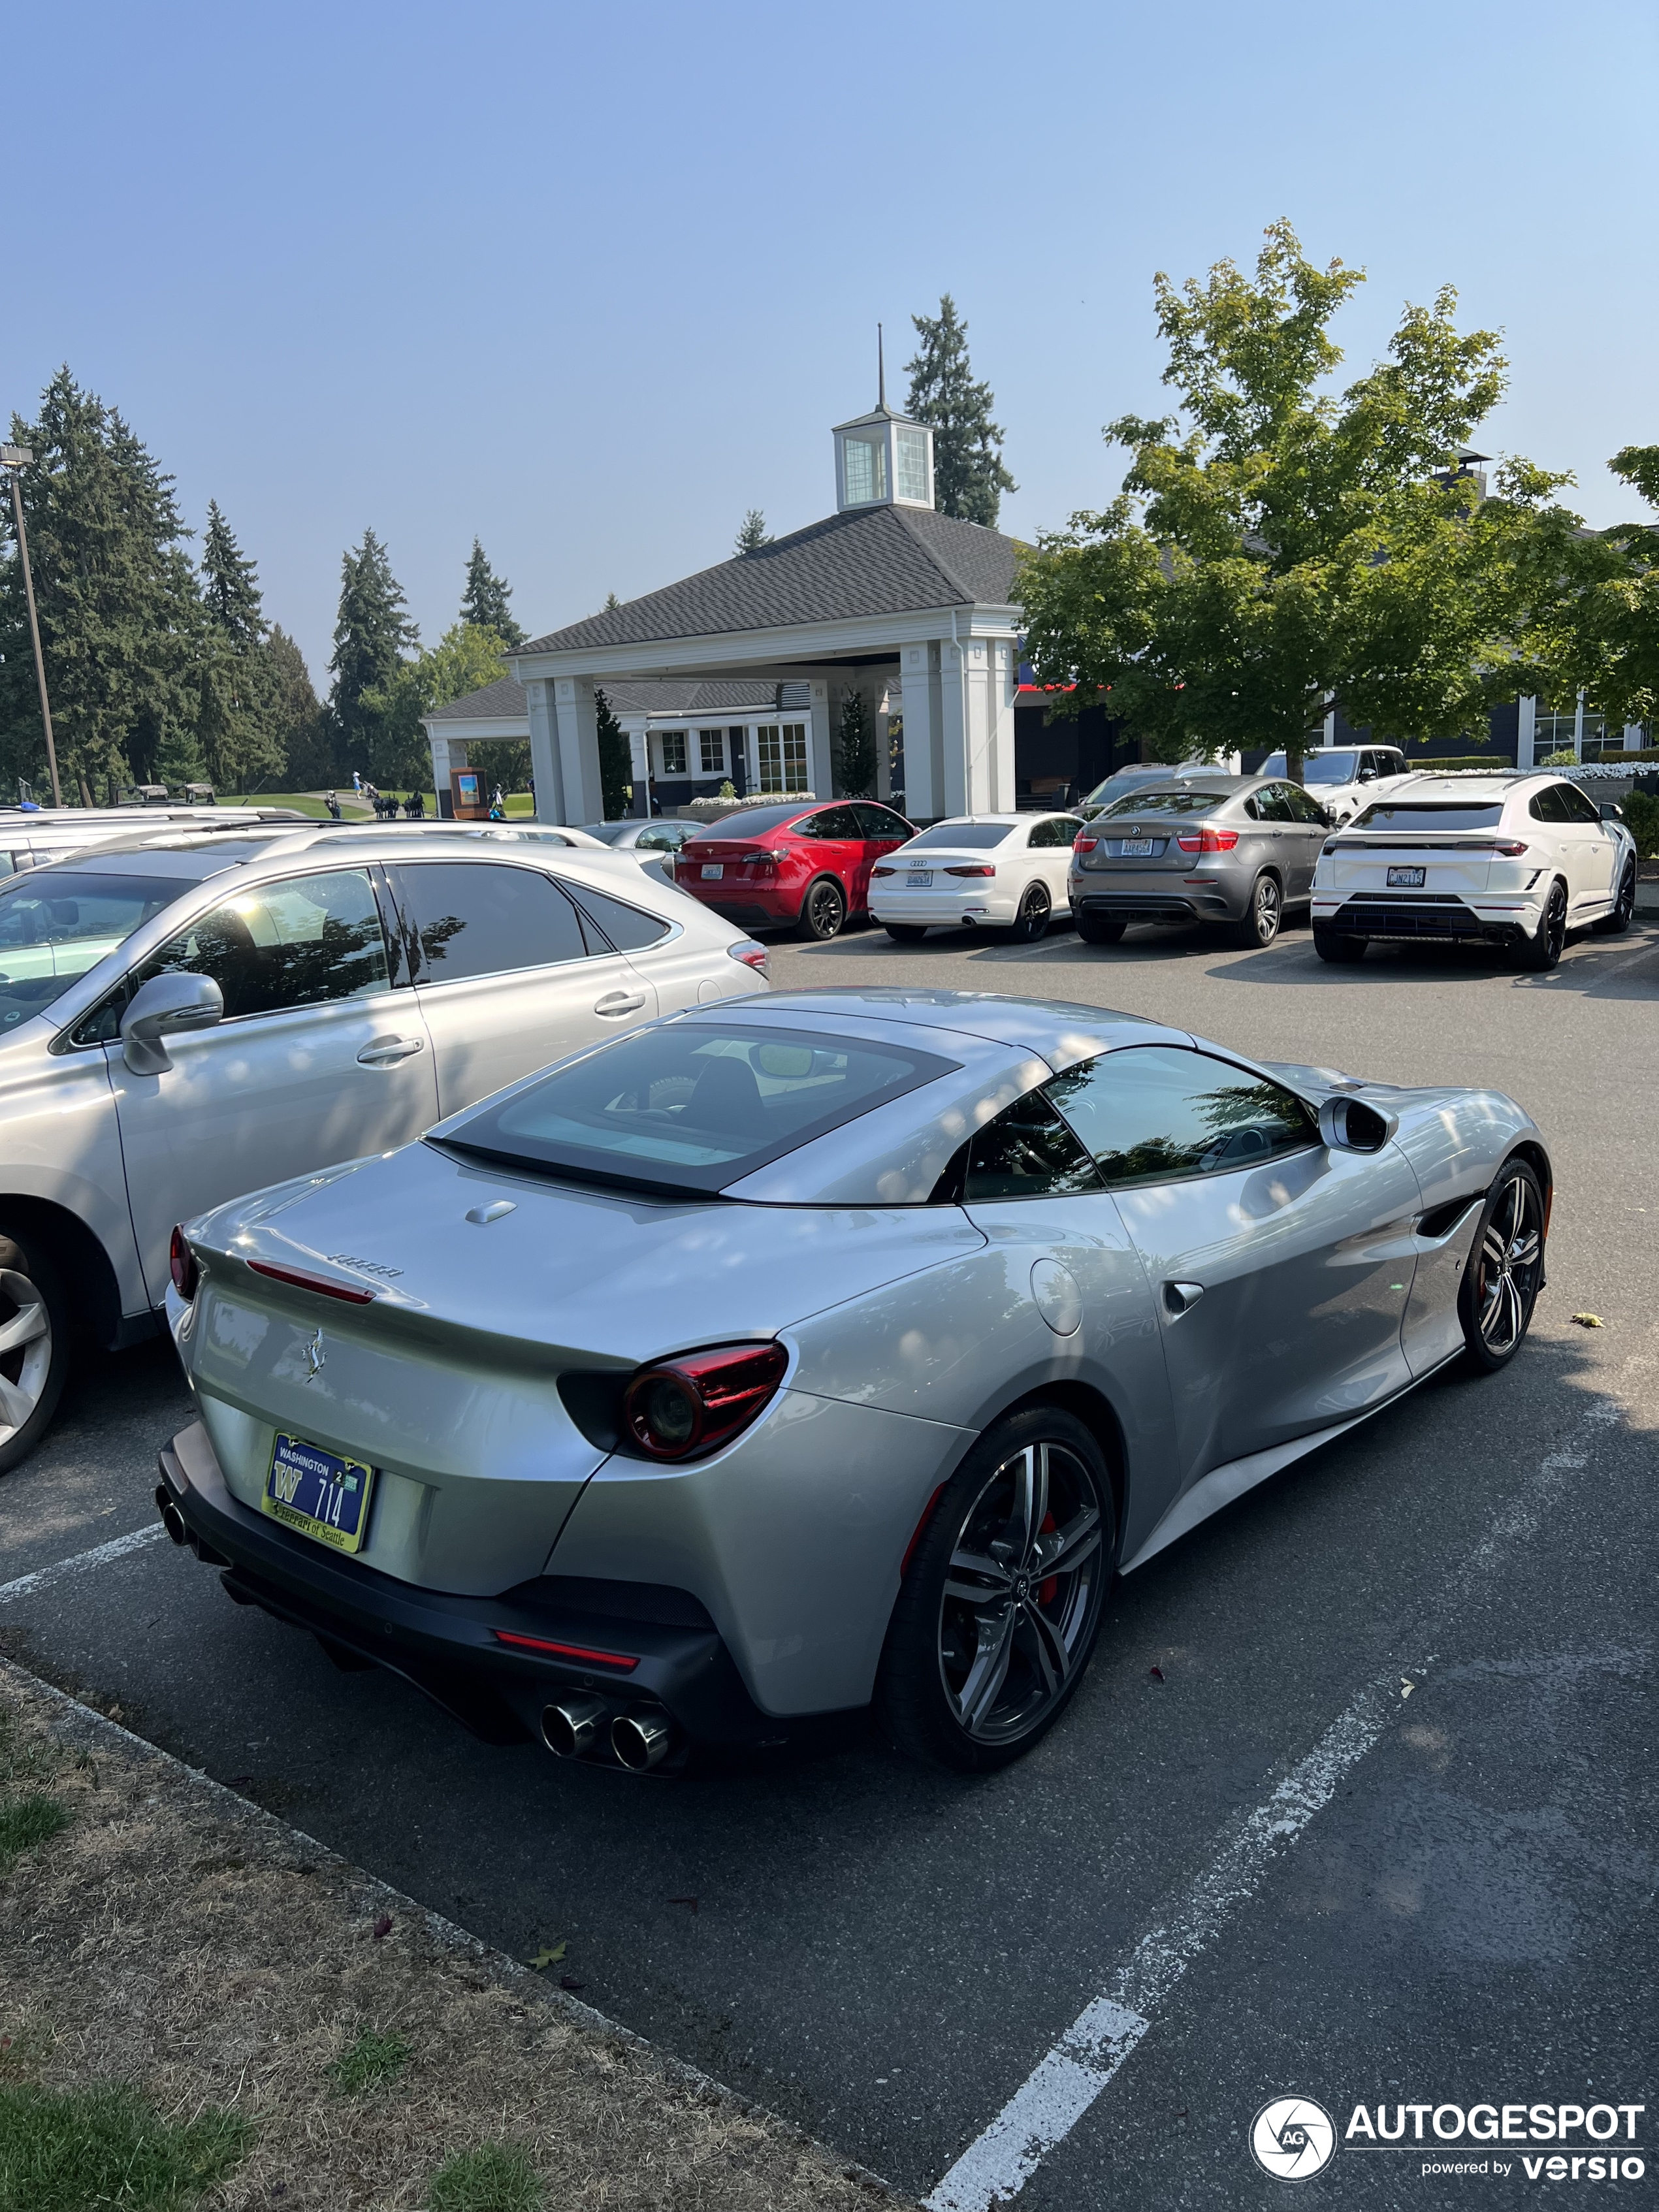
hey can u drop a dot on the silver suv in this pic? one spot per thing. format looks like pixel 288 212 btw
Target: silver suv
pixel 189 1017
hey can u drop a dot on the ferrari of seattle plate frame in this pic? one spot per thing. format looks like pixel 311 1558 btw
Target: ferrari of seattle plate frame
pixel 1406 880
pixel 318 1494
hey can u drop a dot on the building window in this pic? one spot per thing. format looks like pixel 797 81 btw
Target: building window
pixel 782 752
pixel 866 464
pixel 711 752
pixel 913 466
pixel 673 752
pixel 1553 733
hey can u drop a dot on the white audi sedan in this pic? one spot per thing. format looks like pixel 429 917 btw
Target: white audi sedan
pixel 1513 861
pixel 1005 872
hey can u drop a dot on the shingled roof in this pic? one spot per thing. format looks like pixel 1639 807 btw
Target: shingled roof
pixel 497 703
pixel 504 700
pixel 872 561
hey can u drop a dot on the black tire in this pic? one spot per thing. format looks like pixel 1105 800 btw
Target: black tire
pixel 1505 1270
pixel 1616 923
pixel 823 911
pixel 35 1367
pixel 906 932
pixel 1337 946
pixel 1265 916
pixel 1542 951
pixel 1036 911
pixel 1093 929
pixel 983 1655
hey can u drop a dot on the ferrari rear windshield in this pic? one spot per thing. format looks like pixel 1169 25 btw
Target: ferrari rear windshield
pixel 688 1109
pixel 1184 801
pixel 1433 814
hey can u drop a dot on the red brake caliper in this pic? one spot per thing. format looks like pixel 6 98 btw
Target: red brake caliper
pixel 1046 1590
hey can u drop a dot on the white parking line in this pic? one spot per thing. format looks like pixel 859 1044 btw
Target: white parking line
pixel 1071 2074
pixel 100 1555
pixel 1065 2082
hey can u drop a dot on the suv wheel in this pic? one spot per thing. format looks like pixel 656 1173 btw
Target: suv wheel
pixel 1093 929
pixel 998 1615
pixel 1616 923
pixel 1262 920
pixel 1337 946
pixel 823 911
pixel 34 1346
pixel 1543 950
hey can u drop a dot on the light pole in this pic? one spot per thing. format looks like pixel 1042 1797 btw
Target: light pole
pixel 16 458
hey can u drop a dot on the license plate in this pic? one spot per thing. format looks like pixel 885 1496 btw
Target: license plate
pixel 713 871
pixel 1406 880
pixel 919 880
pixel 318 1494
pixel 1137 848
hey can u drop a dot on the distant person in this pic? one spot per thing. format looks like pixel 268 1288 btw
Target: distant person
pixel 356 783
pixel 333 806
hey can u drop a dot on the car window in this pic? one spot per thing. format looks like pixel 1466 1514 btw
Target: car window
pixel 1160 1113
pixel 1271 804
pixel 1028 1152
pixel 658 838
pixel 1058 831
pixel 465 918
pixel 881 822
pixel 1546 805
pixel 1187 800
pixel 628 927
pixel 1576 805
pixel 55 925
pixel 300 943
pixel 962 837
pixel 1404 815
pixel 833 821
pixel 1301 807
pixel 748 821
pixel 1323 766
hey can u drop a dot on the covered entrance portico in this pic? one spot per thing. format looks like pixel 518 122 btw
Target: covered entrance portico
pixel 887 598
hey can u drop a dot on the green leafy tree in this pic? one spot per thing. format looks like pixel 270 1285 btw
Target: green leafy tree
pixel 1600 634
pixel 236 731
pixel 486 601
pixel 1281 549
pixel 370 637
pixel 298 719
pixel 753 534
pixel 465 660
pixel 856 751
pixel 616 761
pixel 120 620
pixel 969 476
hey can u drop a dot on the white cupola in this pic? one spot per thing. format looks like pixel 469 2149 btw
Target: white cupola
pixel 884 459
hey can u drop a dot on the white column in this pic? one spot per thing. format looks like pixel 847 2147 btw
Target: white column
pixel 956 723
pixel 582 793
pixel 545 769
pixel 448 753
pixel 820 757
pixel 922 803
pixel 1526 732
pixel 639 763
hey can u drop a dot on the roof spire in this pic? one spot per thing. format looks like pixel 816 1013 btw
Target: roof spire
pixel 881 371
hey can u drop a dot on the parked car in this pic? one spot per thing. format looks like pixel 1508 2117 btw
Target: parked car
pixel 183 1017
pixel 652 843
pixel 1142 775
pixel 1233 850
pixel 1006 872
pixel 819 1350
pixel 1515 861
pixel 802 866
pixel 29 837
pixel 1345 778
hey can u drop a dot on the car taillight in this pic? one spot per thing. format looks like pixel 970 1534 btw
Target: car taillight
pixel 583 1653
pixel 1085 844
pixel 751 954
pixel 884 871
pixel 348 1292
pixel 1509 852
pixel 181 1260
pixel 1206 841
pixel 980 868
pixel 677 1407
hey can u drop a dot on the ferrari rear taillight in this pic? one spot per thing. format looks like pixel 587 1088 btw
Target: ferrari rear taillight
pixel 680 1408
pixel 181 1263
pixel 302 1280
pixel 1206 841
pixel 980 868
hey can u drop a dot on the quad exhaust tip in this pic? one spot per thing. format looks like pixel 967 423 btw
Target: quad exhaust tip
pixel 572 1726
pixel 641 1741
pixel 172 1519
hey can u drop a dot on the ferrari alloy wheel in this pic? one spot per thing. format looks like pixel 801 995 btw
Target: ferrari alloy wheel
pixel 1543 950
pixel 33 1349
pixel 1266 910
pixel 1505 1270
pixel 823 911
pixel 1618 921
pixel 998 1614
pixel 1034 910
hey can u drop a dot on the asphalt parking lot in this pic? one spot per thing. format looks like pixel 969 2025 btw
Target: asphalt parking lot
pixel 1383 1832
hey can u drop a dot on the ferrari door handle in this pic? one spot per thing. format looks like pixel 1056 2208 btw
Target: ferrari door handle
pixel 619 1002
pixel 386 1051
pixel 1181 1297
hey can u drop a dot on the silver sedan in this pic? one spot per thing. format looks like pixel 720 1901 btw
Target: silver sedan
pixel 804 1353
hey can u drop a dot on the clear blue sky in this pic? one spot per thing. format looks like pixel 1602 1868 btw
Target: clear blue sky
pixel 591 281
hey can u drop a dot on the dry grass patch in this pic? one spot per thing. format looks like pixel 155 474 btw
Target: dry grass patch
pixel 173 1943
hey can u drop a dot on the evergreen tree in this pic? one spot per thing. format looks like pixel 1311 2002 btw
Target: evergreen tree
pixel 754 533
pixel 120 620
pixel 616 761
pixel 968 477
pixel 298 721
pixel 369 639
pixel 484 601
pixel 239 744
pixel 856 764
pixel 465 659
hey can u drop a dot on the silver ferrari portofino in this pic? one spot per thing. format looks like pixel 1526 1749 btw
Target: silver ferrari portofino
pixel 795 1354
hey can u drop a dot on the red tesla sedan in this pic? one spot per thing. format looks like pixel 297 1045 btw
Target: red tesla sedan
pixel 801 867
